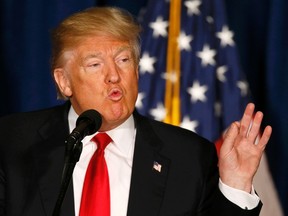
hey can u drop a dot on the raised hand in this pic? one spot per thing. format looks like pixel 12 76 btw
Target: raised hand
pixel 242 149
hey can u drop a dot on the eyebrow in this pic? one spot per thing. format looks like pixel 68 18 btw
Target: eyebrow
pixel 92 55
pixel 97 54
pixel 123 48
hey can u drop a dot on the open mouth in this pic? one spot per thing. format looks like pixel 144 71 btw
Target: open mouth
pixel 115 94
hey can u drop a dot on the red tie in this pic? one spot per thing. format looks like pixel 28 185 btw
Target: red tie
pixel 95 199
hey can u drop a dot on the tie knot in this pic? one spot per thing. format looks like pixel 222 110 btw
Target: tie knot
pixel 102 140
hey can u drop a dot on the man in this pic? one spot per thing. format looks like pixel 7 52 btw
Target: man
pixel 154 168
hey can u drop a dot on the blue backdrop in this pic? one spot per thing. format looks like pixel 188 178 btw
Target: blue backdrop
pixel 261 33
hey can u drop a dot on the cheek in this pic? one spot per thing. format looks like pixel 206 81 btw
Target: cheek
pixel 135 86
pixel 132 89
pixel 83 82
pixel 87 92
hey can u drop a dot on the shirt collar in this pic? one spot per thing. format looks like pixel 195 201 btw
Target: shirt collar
pixel 123 136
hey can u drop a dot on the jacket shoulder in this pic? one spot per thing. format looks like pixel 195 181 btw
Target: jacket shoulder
pixel 32 115
pixel 168 134
pixel 26 122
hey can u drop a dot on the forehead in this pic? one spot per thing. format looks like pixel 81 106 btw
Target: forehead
pixel 102 44
pixel 97 46
pixel 113 51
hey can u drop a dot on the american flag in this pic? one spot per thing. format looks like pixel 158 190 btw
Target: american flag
pixel 210 87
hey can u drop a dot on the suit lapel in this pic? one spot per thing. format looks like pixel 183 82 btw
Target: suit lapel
pixel 149 172
pixel 49 162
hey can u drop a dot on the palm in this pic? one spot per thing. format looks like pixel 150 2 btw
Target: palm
pixel 242 149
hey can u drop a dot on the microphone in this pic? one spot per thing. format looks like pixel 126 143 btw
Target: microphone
pixel 87 123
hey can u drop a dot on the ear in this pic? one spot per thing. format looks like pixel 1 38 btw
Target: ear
pixel 62 81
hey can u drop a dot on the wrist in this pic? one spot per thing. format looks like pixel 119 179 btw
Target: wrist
pixel 237 183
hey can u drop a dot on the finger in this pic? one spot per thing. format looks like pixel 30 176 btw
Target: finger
pixel 229 138
pixel 265 137
pixel 246 119
pixel 225 132
pixel 255 125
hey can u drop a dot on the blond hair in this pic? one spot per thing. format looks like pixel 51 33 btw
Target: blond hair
pixel 103 21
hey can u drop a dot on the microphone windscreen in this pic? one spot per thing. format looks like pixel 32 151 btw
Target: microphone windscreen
pixel 93 117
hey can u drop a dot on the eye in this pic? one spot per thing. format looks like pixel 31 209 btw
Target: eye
pixel 124 59
pixel 93 65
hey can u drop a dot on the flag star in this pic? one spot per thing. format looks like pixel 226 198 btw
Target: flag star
pixel 226 36
pixel 197 92
pixel 159 27
pixel 158 113
pixel 207 55
pixel 188 124
pixel 146 63
pixel 218 109
pixel 139 102
pixel 170 76
pixel 220 72
pixel 193 7
pixel 184 41
pixel 243 86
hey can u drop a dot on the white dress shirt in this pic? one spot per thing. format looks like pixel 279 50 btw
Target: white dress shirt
pixel 119 158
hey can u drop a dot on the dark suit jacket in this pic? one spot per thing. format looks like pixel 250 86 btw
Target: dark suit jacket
pixel 32 153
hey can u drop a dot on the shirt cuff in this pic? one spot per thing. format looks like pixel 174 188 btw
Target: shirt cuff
pixel 241 198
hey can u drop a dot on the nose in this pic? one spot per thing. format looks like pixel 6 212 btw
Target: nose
pixel 112 73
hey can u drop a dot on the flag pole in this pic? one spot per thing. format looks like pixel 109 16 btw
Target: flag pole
pixel 172 92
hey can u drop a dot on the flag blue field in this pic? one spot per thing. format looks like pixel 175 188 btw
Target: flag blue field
pixel 213 90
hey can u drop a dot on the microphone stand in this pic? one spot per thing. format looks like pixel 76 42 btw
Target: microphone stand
pixel 87 123
pixel 73 152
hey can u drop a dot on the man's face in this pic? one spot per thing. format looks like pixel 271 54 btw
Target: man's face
pixel 100 73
